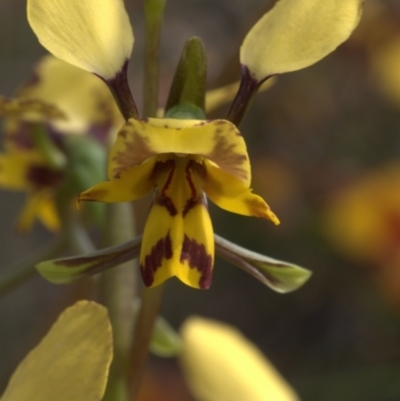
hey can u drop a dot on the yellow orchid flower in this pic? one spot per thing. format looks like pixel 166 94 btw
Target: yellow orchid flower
pixel 70 363
pixel 182 159
pixel 61 100
pixel 220 364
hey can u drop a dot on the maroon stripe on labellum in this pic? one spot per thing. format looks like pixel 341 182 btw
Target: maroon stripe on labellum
pixel 197 258
pixel 41 176
pixel 162 198
pixel 153 261
pixel 195 198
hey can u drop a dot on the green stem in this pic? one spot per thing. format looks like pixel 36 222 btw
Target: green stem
pixel 24 270
pixel 52 155
pixel 154 11
pixel 148 312
pixel 118 289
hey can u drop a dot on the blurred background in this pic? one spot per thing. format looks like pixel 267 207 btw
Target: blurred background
pixel 325 149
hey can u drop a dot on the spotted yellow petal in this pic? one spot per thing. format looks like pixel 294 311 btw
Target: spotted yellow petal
pixel 94 35
pixel 84 99
pixel 218 140
pixel 298 33
pixel 70 363
pixel 178 237
pixel 132 184
pixel 220 364
pixel 231 194
pixel 29 109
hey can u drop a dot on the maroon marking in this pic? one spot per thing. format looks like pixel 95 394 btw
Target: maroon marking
pixel 42 176
pixel 198 258
pixel 153 261
pixel 161 198
pixel 136 150
pixel 226 158
pixel 195 198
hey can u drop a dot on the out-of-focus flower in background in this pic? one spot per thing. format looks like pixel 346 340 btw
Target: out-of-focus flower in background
pixel 220 364
pixel 42 156
pixel 70 363
pixel 363 222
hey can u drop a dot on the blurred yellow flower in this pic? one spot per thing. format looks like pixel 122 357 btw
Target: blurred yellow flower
pixel 364 220
pixel 222 365
pixel 61 100
pixel 71 362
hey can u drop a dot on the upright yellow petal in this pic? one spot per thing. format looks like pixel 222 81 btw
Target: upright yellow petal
pixel 218 140
pixel 70 363
pixel 222 365
pixel 298 33
pixel 84 99
pixel 94 35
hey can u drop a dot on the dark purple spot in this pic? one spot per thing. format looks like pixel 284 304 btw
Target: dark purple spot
pixel 42 176
pixel 153 261
pixel 198 258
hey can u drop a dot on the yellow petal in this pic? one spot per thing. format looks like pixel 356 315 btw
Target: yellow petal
pixel 218 97
pixel 14 169
pixel 34 110
pixel 298 33
pixel 94 35
pixel 178 236
pixel 132 184
pixel 39 205
pixel 386 64
pixel 222 365
pixel 231 194
pixel 218 140
pixel 70 363
pixel 83 98
pixel 48 215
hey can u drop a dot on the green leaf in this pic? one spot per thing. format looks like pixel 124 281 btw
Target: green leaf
pixel 66 270
pixel 165 341
pixel 281 276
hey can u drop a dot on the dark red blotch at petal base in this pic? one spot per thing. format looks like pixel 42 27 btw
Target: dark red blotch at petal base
pixel 198 258
pixel 153 261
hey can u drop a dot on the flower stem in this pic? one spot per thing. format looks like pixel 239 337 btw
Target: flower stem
pixel 154 11
pixel 248 89
pixel 119 88
pixel 148 312
pixel 118 289
pixel 24 270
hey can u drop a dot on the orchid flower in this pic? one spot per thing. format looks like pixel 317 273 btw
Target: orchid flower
pixel 184 157
pixel 60 101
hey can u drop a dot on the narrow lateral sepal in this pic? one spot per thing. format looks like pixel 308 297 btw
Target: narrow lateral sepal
pixel 66 270
pixel 280 276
